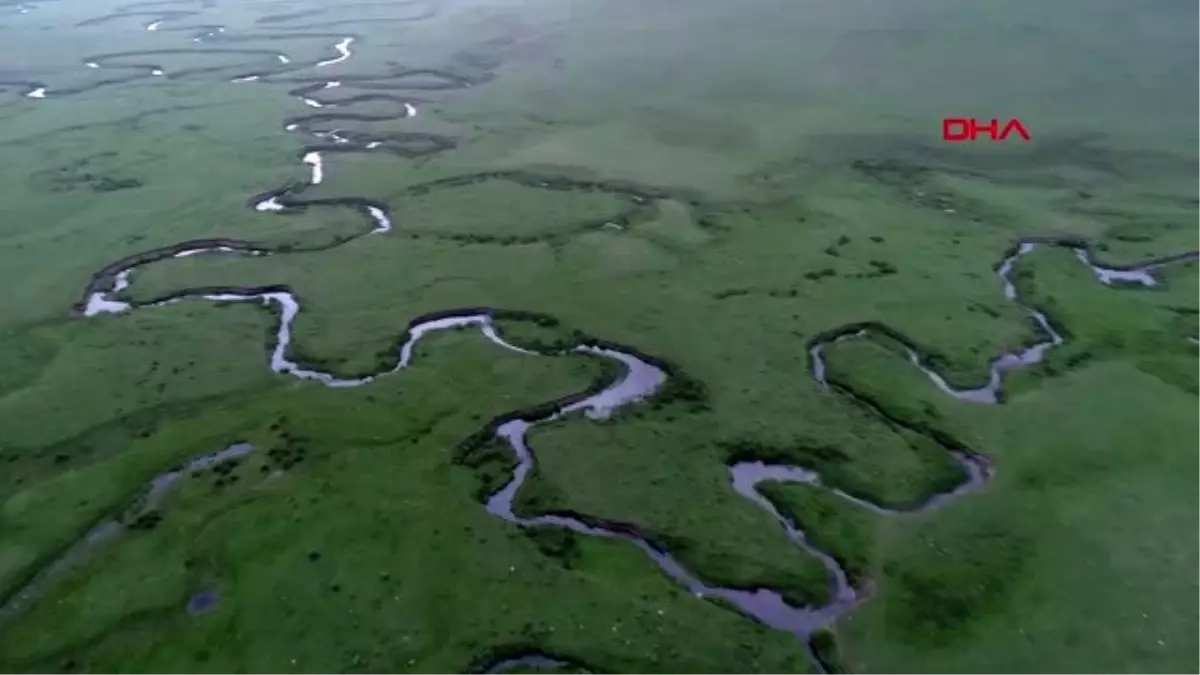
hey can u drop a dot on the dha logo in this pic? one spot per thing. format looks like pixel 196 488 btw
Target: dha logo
pixel 959 129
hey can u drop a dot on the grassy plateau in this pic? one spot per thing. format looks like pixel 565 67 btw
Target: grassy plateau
pixel 720 187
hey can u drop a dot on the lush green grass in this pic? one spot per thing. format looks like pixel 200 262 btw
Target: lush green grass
pixel 618 471
pixel 504 208
pixel 799 185
pixel 831 524
pixel 1056 555
pixel 395 592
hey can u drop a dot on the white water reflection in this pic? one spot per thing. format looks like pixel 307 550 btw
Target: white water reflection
pixel 343 49
pixel 187 253
pixel 99 303
pixel 1108 275
pixel 121 282
pixel 313 159
pixel 640 380
pixel 269 204
pixel 417 332
pixel 382 222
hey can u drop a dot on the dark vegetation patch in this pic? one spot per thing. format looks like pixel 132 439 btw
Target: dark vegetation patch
pixel 834 249
pixel 817 275
pixel 915 183
pixel 956 572
pixel 893 172
pixel 832 463
pixel 1130 237
pixel 681 388
pixel 980 307
pixel 833 524
pixel 639 206
pixel 146 521
pixel 724 568
pixel 526 655
pixel 490 459
pixel 931 357
pixel 223 473
pixel 782 293
pixel 825 648
pixel 879 268
pixel 765 292
pixel 290 450
pixel 84 173
pixel 534 331
pixel 26 465
pixel 537 496
pixel 826 460
pixel 1167 368
pixel 558 543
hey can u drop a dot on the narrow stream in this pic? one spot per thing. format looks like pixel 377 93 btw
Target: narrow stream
pixel 1033 354
pixel 79 552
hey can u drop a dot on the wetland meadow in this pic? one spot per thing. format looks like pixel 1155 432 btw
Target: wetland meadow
pixel 597 336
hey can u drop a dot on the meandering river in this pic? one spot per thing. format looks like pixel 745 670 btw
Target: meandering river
pixel 642 376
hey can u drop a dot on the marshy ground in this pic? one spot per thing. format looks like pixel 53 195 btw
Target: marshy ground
pixel 715 187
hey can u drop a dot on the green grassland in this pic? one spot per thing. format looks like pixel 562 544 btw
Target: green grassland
pixel 713 183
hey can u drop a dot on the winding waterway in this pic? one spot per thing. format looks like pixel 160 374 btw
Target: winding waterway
pixel 101 533
pixel 641 376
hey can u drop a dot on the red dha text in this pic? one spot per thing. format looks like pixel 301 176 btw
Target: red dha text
pixel 959 129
